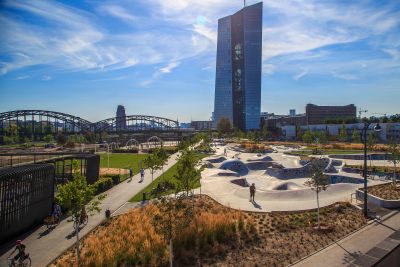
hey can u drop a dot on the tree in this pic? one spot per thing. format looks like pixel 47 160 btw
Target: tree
pixel 48 138
pixel 162 157
pixel 307 137
pixel 355 136
pixel 394 157
pixel 174 215
pixel 264 133
pixel 318 181
pixel 61 140
pixel 224 126
pixel 153 163
pixel 343 133
pixel 75 195
pixel 187 174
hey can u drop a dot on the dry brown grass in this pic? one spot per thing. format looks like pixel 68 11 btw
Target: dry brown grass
pixel 218 236
pixel 387 191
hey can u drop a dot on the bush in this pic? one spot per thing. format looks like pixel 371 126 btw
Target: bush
pixel 104 183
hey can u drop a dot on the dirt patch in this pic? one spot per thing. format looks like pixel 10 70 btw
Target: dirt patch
pixel 387 191
pixel 112 171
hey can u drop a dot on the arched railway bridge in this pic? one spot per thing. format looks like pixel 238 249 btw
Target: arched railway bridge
pixel 37 123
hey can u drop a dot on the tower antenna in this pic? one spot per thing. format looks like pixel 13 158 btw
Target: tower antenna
pixel 244 3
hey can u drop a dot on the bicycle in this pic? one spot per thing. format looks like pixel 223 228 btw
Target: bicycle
pixel 25 262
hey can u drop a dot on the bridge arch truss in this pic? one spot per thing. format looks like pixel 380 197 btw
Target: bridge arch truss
pixel 136 123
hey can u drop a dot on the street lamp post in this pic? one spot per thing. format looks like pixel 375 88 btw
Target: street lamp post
pixel 364 131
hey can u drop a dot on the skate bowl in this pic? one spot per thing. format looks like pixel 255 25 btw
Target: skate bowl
pixel 216 160
pixel 266 158
pixel 258 165
pixel 287 186
pixel 235 165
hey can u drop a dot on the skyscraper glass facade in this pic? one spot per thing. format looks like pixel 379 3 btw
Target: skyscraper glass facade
pixel 238 70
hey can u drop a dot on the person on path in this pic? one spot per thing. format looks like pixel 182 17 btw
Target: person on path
pixel 252 192
pixel 141 174
pixel 20 248
pixel 130 173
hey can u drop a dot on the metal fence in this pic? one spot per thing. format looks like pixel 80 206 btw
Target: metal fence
pixel 26 197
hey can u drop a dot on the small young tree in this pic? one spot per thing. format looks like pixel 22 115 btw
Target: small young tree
pixel 308 137
pixel 174 215
pixel 153 163
pixel 162 157
pixel 75 195
pixel 355 136
pixel 318 181
pixel 343 133
pixel 61 140
pixel 48 138
pixel 224 126
pixel 394 157
pixel 187 174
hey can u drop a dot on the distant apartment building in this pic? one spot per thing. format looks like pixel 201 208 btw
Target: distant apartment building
pixel 121 118
pixel 292 112
pixel 390 131
pixel 321 114
pixel 201 125
pixel 272 121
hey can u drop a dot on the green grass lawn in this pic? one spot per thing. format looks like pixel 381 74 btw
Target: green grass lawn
pixel 168 176
pixel 123 161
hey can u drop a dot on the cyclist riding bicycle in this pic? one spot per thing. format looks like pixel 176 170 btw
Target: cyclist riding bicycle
pixel 21 252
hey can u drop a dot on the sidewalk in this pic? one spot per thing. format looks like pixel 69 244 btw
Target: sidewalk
pixel 363 248
pixel 44 246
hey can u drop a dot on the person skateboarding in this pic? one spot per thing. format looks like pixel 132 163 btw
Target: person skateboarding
pixel 252 192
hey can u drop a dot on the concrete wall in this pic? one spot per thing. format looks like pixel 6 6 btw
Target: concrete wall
pixel 390 204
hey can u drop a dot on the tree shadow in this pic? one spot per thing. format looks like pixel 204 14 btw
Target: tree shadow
pixel 46 232
pixel 73 233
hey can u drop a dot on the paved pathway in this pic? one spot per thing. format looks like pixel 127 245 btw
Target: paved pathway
pixel 44 246
pixel 362 248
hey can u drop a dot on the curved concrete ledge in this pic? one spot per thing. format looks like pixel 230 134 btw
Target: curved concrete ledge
pixel 390 204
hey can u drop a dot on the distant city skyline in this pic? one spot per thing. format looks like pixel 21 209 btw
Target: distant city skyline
pixel 158 57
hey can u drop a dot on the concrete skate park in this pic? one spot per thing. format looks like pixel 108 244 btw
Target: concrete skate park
pixel 279 180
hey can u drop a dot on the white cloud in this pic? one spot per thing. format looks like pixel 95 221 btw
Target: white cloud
pixel 22 77
pixel 300 75
pixel 119 12
pixel 169 67
pixel 46 78
pixel 342 76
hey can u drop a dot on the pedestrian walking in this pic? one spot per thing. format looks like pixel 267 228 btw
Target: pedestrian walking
pixel 252 192
pixel 130 174
pixel 141 174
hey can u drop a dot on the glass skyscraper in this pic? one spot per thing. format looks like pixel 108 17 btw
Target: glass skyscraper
pixel 238 71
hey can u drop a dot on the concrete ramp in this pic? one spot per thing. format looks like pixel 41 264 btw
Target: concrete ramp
pixel 287 186
pixel 235 165
pixel 216 160
pixel 258 165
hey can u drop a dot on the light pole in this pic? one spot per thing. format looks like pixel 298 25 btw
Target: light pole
pixel 364 131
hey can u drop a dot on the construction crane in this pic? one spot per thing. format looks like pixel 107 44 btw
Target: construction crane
pixel 361 111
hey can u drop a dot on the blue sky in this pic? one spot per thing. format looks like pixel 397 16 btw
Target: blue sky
pixel 157 57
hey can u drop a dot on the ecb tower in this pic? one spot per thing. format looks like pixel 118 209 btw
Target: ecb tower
pixel 238 68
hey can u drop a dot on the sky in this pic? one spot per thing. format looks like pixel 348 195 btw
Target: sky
pixel 157 57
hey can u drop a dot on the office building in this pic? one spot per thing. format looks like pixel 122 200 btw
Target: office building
pixel 322 114
pixel 238 68
pixel 121 118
